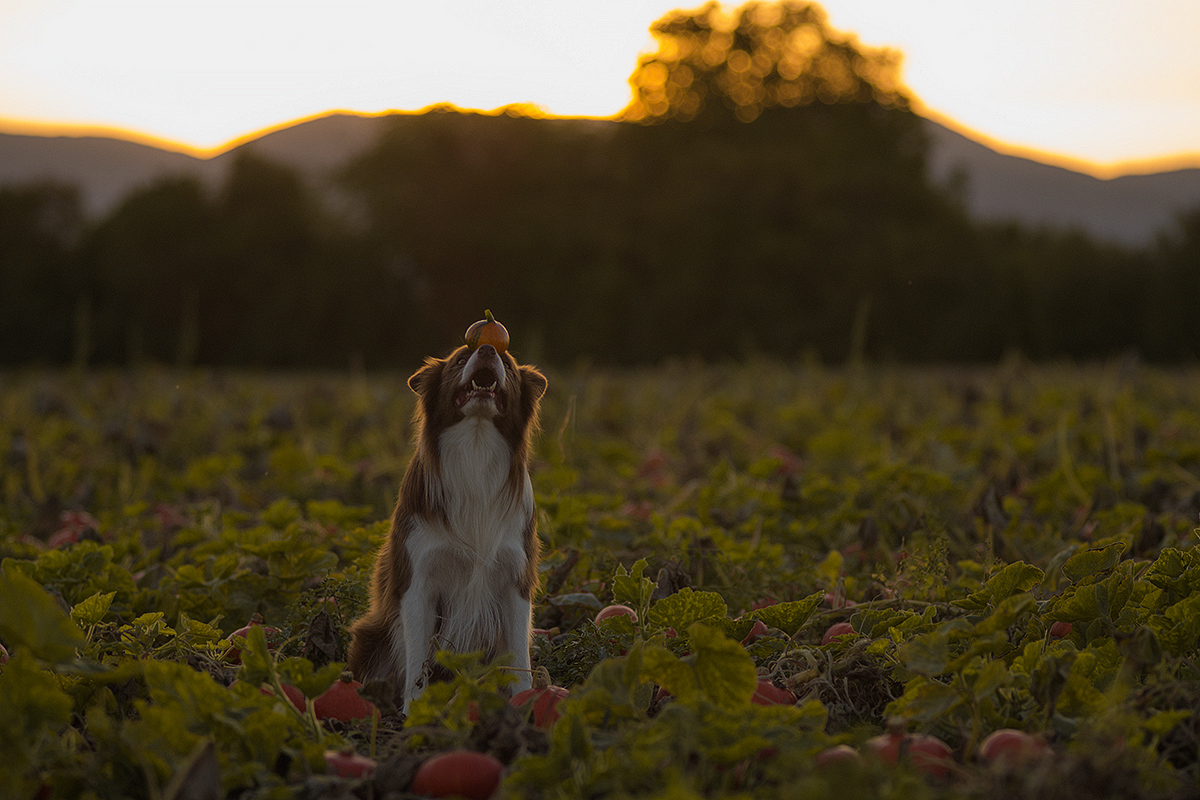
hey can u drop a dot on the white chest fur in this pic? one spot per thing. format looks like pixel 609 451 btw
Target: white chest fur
pixel 465 570
pixel 476 467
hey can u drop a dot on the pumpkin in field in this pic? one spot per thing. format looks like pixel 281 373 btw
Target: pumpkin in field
pixel 342 702
pixel 926 753
pixel 458 773
pixel 540 702
pixel 487 331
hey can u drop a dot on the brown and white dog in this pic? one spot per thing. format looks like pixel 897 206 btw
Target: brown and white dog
pixel 459 567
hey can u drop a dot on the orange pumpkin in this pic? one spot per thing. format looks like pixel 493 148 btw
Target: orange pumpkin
pixel 487 331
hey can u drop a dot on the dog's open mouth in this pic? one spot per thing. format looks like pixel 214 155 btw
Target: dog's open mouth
pixel 483 385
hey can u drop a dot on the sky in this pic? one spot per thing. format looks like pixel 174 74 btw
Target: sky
pixel 1099 85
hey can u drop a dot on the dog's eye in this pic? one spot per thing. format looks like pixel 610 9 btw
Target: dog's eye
pixel 461 360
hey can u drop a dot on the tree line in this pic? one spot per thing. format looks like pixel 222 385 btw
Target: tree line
pixel 766 193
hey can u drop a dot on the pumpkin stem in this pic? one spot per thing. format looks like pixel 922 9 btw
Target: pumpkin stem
pixel 487 312
pixel 541 678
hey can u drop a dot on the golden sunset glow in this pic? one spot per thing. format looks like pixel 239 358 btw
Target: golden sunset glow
pixel 1088 85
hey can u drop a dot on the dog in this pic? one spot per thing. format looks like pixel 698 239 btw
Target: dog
pixel 459 567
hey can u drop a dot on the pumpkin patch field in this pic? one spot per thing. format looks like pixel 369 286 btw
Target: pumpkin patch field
pixel 761 580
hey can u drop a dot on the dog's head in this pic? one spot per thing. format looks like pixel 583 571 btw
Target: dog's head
pixel 480 383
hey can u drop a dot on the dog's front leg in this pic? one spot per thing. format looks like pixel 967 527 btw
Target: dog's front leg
pixel 419 611
pixel 518 616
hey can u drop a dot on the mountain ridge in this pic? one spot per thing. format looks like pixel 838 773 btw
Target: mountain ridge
pixel 1130 209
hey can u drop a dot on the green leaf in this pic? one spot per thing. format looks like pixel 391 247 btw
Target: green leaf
pixel 30 617
pixel 991 677
pixel 1007 612
pixel 1090 562
pixel 663 667
pixel 1013 579
pixel 631 588
pixel 1164 722
pixel 1095 598
pixel 196 630
pixel 928 654
pixel 281 513
pixel 789 617
pixel 32 709
pixel 875 622
pixel 736 629
pixel 718 669
pixel 924 701
pixel 812 714
pixel 92 610
pixel 1178 627
pixel 299 672
pixel 1089 675
pixel 990 644
pixel 257 663
pixel 725 673
pixel 580 744
pixel 620 627
pixel 831 568
pixel 1080 605
pixel 685 607
pixel 1176 572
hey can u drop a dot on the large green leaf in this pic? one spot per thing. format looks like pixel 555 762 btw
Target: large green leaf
pixel 1095 598
pixel 33 711
pixel 29 617
pixel 1006 614
pixel 725 673
pixel 718 669
pixel 925 700
pixel 663 667
pixel 92 610
pixel 876 622
pixel 1012 579
pixel 258 665
pixel 1176 572
pixel 928 654
pixel 1178 627
pixel 789 617
pixel 1090 562
pixel 685 607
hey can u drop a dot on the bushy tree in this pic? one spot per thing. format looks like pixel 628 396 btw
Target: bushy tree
pixel 714 63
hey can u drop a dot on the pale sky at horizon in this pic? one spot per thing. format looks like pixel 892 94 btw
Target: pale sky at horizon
pixel 1090 81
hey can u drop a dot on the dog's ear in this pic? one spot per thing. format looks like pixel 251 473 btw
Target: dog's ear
pixel 423 378
pixel 533 382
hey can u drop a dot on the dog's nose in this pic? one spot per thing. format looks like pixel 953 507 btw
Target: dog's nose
pixel 486 350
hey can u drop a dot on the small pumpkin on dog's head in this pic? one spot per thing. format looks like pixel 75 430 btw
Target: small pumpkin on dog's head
pixel 487 331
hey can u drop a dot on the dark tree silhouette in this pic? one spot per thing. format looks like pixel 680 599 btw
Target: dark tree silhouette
pixel 146 264
pixel 40 292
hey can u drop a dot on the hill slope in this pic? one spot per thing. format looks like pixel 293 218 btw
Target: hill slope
pixel 1129 209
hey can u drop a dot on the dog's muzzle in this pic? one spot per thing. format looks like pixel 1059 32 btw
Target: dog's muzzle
pixel 482 378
